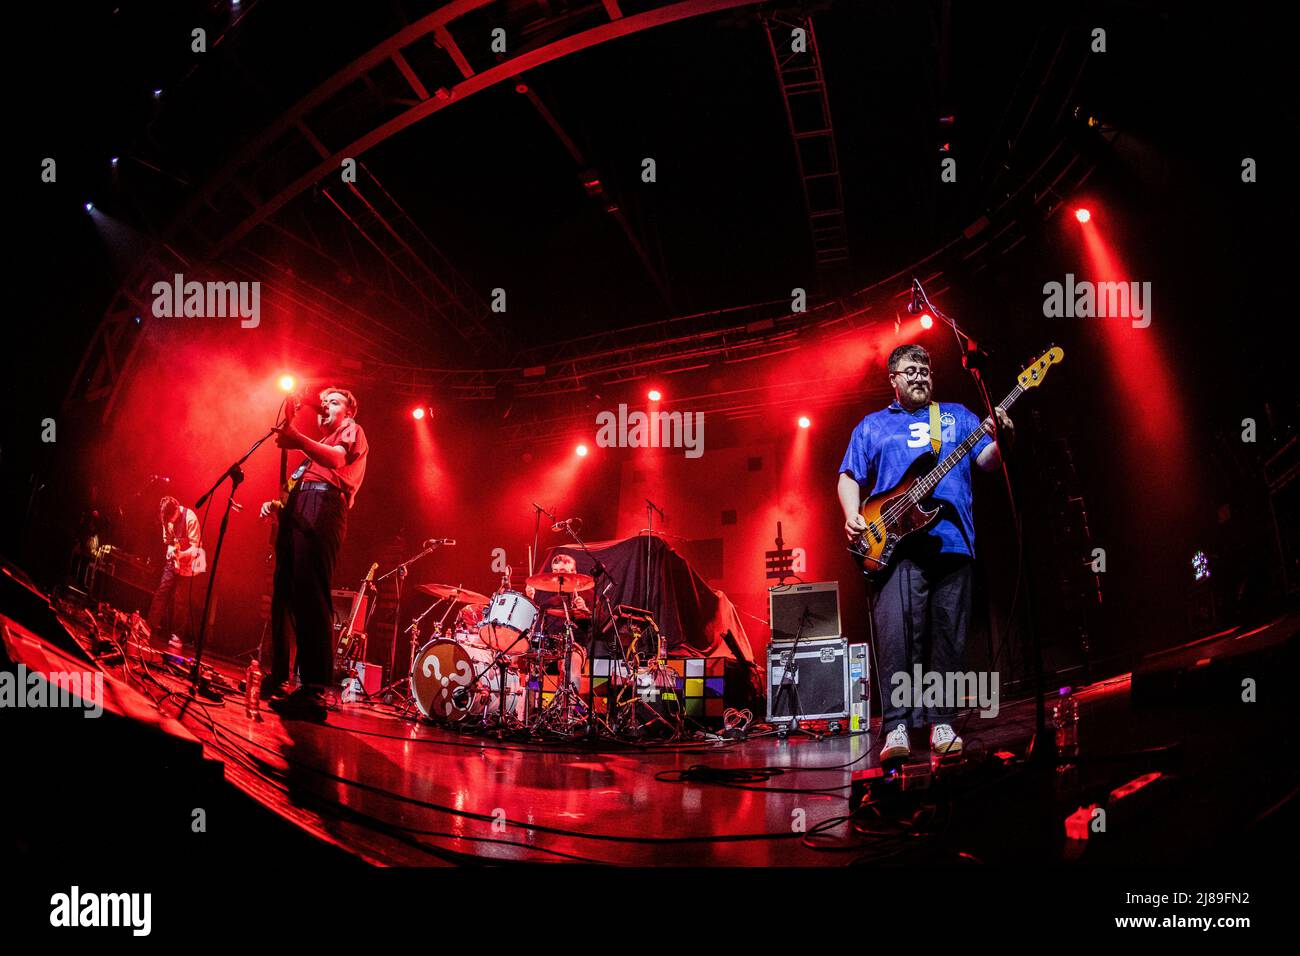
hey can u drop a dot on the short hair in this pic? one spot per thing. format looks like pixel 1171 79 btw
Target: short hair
pixel 564 555
pixel 166 504
pixel 910 351
pixel 347 397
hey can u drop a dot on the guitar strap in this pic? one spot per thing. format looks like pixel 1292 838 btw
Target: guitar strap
pixel 936 434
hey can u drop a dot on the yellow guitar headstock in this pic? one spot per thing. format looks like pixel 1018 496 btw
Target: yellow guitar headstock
pixel 1036 371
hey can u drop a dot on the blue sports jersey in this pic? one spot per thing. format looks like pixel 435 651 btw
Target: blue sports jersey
pixel 886 442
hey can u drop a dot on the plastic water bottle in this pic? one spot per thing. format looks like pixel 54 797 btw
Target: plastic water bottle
pixel 1065 717
pixel 253 691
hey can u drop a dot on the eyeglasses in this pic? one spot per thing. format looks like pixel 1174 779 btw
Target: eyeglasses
pixel 912 372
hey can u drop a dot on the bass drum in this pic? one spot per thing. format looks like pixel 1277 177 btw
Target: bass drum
pixel 442 667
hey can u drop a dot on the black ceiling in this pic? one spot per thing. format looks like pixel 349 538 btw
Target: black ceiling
pixel 495 189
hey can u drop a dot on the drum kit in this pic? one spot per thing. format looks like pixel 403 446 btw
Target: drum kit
pixel 491 663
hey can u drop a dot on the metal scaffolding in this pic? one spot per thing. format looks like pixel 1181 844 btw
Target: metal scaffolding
pixel 793 43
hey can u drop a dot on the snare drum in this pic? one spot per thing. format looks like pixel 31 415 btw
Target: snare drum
pixel 508 615
pixel 441 667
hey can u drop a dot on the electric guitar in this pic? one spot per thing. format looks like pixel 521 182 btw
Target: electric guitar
pixel 184 562
pixel 352 639
pixel 900 511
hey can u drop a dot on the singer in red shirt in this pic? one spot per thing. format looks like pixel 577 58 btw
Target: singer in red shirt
pixel 312 527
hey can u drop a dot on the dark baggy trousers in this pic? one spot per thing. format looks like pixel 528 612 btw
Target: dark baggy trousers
pixel 922 614
pixel 162 610
pixel 312 529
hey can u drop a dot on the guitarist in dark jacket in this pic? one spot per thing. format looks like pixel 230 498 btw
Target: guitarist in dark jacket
pixel 313 524
pixel 922 604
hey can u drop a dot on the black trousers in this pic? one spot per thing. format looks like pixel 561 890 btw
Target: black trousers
pixel 162 610
pixel 922 615
pixel 312 528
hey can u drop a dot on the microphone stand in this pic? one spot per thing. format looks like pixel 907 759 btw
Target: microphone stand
pixel 198 684
pixel 538 511
pixel 789 687
pixel 400 570
pixel 973 359
pixel 650 509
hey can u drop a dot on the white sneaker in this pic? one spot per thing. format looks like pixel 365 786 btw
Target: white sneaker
pixel 896 744
pixel 943 741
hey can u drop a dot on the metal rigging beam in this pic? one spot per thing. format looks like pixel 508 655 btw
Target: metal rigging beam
pixel 297 174
pixel 808 111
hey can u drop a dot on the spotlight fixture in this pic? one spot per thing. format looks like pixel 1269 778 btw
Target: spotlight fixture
pixel 90 207
pixel 1083 215
pixel 926 321
pixel 581 451
pixel 805 421
pixel 655 395
pixel 417 413
pixel 287 383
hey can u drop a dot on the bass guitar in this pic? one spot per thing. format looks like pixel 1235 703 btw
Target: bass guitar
pixel 899 512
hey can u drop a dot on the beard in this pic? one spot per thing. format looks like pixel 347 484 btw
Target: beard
pixel 914 396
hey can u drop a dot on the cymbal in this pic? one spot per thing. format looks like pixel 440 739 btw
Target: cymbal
pixel 534 657
pixel 460 595
pixel 575 613
pixel 561 583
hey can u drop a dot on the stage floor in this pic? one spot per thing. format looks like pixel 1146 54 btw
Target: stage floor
pixel 396 791
pixel 399 791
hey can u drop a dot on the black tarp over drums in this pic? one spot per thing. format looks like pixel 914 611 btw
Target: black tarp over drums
pixel 692 615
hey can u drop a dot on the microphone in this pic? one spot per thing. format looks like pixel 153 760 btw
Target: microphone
pixel 306 399
pixel 568 524
pixel 439 542
pixel 916 306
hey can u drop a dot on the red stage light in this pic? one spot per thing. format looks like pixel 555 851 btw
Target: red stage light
pixel 581 451
pixel 805 421
pixel 286 383
pixel 926 321
pixel 1082 215
pixel 655 395
pixel 417 414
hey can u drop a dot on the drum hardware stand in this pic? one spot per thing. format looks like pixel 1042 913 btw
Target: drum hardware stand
pixel 536 669
pixel 408 698
pixel 790 687
pixel 566 698
pixel 461 694
pixel 598 570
